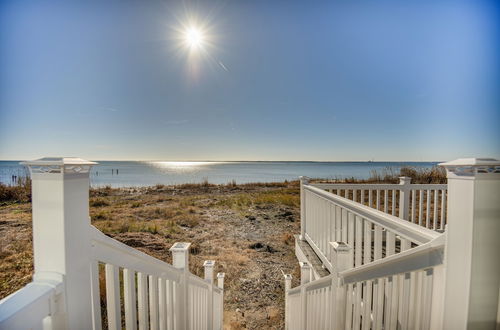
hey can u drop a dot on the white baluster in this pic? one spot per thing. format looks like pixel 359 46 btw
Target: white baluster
pixel 142 300
pixel 153 302
pixel 428 209
pixel 113 297
pixel 413 200
pixel 421 207
pixel 162 300
pixel 130 299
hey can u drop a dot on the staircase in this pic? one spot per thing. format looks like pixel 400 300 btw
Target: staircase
pixel 391 263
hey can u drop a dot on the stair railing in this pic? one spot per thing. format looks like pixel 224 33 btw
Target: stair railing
pixel 422 204
pixel 81 273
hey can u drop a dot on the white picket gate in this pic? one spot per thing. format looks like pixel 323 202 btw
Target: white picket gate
pixel 391 273
pixel 70 254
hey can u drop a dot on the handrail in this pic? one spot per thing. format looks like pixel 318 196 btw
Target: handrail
pixel 199 282
pixel 421 257
pixel 358 186
pixel 378 186
pixel 29 305
pixel 109 250
pixel 217 289
pixel 317 284
pixel 294 291
pixel 408 230
pixel 432 186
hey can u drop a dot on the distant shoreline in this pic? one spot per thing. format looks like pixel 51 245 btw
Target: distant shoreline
pixel 259 161
pixel 143 174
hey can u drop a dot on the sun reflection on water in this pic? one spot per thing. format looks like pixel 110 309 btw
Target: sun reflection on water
pixel 183 166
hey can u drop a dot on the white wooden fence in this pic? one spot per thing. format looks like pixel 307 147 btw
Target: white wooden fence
pixel 423 204
pixel 70 255
pixel 388 273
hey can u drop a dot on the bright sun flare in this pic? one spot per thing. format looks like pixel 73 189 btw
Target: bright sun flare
pixel 193 37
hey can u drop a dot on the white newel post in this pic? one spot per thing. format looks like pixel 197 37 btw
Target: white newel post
pixel 61 223
pixel 305 273
pixel 209 277
pixel 220 285
pixel 288 285
pixel 180 260
pixel 342 258
pixel 472 262
pixel 404 197
pixel 304 180
pixel 209 270
pixel 220 280
pixel 305 277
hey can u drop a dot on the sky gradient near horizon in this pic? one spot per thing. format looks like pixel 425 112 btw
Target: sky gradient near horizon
pixel 279 80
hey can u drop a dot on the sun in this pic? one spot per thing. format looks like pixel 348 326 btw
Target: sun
pixel 194 37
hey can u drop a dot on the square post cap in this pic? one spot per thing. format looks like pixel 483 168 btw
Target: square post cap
pixel 472 166
pixel 209 263
pixel 180 247
pixel 340 247
pixel 59 165
pixel 221 275
pixel 404 180
pixel 304 265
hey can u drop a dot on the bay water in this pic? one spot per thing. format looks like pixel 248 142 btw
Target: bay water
pixel 146 173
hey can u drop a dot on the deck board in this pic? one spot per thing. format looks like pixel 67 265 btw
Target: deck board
pixel 314 260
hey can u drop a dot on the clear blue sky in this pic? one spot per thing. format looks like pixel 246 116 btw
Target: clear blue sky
pixel 278 80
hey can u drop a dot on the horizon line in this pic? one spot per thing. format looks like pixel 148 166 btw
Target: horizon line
pixel 248 161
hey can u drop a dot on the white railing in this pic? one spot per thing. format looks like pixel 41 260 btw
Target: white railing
pixel 82 275
pixel 392 293
pixel 207 304
pixel 389 273
pixel 158 293
pixel 33 305
pixel 373 234
pixel 423 204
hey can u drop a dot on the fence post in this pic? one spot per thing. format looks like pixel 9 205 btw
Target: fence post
pixel 180 260
pixel 209 277
pixel 288 285
pixel 472 265
pixel 209 270
pixel 61 223
pixel 341 260
pixel 220 280
pixel 220 284
pixel 404 197
pixel 304 180
pixel 305 277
